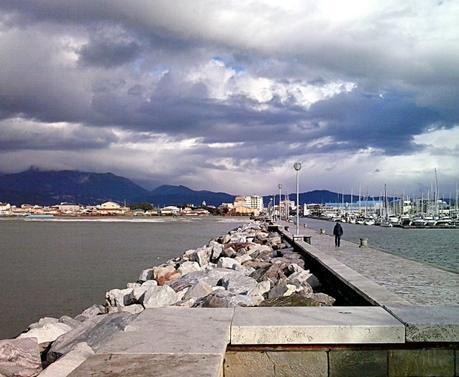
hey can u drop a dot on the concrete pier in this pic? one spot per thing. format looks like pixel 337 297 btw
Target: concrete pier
pixel 406 324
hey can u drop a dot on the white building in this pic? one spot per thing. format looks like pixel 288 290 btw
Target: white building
pixel 170 211
pixel 68 208
pixel 5 209
pixel 254 202
pixel 111 208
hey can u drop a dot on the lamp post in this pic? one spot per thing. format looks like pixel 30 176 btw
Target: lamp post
pixel 297 167
pixel 280 199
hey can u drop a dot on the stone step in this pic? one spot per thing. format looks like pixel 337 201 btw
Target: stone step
pixel 315 325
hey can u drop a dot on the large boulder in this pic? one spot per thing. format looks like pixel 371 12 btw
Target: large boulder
pixel 95 332
pixel 228 252
pixel 298 299
pixel 165 274
pixel 260 289
pixel 139 292
pixel 276 272
pixel 19 358
pixel 120 297
pixel 229 263
pixel 187 267
pixel 160 296
pixel 211 277
pixel 199 290
pixel 47 332
pixel 133 309
pixel 69 321
pixel 238 283
pixel 227 299
pixel 91 312
pixel 67 363
pixel 217 249
pixel 202 255
pixel 281 289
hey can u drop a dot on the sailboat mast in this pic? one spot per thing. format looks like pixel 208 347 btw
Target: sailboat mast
pixel 436 192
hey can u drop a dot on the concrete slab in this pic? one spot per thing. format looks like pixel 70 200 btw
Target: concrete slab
pixel 151 366
pixel 315 325
pixel 428 323
pixel 174 330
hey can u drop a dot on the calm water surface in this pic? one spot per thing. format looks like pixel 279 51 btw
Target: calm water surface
pixel 56 268
pixel 439 247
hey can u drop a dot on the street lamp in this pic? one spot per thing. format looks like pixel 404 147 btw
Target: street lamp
pixel 280 199
pixel 297 167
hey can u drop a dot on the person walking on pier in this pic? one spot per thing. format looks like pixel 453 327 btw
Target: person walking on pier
pixel 338 232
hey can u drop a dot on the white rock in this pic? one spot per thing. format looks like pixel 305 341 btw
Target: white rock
pixel 146 274
pixel 187 267
pixel 243 258
pixel 261 288
pixel 139 292
pixel 95 331
pixel 199 290
pixel 181 294
pixel 225 262
pixel 133 309
pixel 119 297
pixel 43 321
pixel 47 333
pixel 91 312
pixel 217 249
pixel 132 285
pixel 299 278
pixel 161 296
pixel 69 321
pixel 67 363
pixel 202 256
pixel 281 289
pixel 238 283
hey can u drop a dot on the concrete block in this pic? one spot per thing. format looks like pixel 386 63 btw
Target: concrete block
pixel 366 363
pixel 421 363
pixel 151 366
pixel 248 364
pixel 315 325
pixel 428 323
pixel 176 330
pixel 305 364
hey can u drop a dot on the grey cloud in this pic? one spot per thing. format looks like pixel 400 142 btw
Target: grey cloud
pixel 108 54
pixel 17 134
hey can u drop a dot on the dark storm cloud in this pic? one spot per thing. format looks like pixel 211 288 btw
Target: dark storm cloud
pixel 387 123
pixel 198 70
pixel 17 134
pixel 107 54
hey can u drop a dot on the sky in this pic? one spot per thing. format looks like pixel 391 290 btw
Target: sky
pixel 227 95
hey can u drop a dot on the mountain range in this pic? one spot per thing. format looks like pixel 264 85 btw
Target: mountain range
pixel 35 186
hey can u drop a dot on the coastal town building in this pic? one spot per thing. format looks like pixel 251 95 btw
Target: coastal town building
pixel 170 211
pixel 247 205
pixel 111 208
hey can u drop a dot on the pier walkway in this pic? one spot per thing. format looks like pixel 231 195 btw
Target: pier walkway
pixel 417 283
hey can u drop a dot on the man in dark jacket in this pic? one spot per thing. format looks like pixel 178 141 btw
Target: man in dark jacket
pixel 338 232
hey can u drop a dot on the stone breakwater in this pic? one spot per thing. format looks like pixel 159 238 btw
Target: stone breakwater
pixel 249 266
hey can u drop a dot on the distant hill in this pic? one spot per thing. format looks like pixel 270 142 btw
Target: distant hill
pixel 319 197
pixel 52 187
pixel 169 195
pixel 34 186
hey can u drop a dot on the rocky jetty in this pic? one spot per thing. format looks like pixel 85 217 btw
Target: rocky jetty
pixel 249 266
